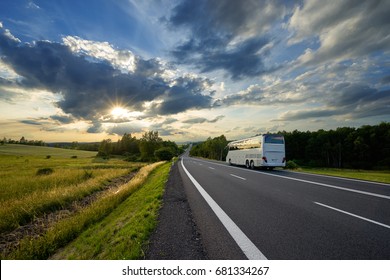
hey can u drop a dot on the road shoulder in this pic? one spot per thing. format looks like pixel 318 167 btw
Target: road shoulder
pixel 176 236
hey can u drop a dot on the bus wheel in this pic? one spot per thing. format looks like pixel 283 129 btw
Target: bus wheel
pixel 247 164
pixel 252 165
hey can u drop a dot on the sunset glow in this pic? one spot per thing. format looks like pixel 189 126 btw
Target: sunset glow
pixel 119 112
pixel 191 69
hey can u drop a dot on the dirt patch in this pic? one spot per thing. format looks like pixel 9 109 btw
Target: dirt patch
pixel 39 225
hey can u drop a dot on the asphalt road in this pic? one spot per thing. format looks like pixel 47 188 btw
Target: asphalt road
pixel 283 215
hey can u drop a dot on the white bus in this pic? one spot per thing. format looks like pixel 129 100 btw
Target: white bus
pixel 265 151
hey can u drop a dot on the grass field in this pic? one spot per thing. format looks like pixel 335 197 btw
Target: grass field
pixel 26 193
pixel 368 175
pixel 36 181
pixel 40 151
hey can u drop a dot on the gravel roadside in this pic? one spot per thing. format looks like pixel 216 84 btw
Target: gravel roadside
pixel 176 236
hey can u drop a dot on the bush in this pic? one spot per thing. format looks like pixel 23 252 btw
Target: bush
pixel 45 171
pixel 87 174
pixel 132 157
pixel 164 153
pixel 291 165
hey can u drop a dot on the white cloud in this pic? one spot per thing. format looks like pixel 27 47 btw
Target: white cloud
pixel 6 72
pixel 32 5
pixel 123 60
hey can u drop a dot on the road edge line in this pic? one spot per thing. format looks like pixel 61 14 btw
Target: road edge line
pixel 246 245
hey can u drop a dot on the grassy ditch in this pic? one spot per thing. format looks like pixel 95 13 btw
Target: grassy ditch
pixel 66 230
pixel 31 186
pixel 124 233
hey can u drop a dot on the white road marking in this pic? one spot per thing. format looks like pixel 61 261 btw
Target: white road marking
pixel 212 168
pixel 353 215
pixel 238 177
pixel 248 248
pixel 331 186
pixel 314 183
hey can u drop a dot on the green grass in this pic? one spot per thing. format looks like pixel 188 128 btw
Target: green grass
pixel 124 232
pixel 368 175
pixel 39 180
pixel 24 193
pixel 136 216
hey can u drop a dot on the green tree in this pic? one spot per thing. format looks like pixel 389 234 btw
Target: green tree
pixel 129 145
pixel 105 148
pixel 212 148
pixel 149 143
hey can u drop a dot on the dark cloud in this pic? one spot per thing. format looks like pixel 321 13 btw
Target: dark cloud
pixel 31 122
pixel 360 101
pixel 6 95
pixel 203 120
pixel 174 104
pixel 347 94
pixel 89 86
pixel 62 119
pixel 308 114
pixel 53 123
pixel 169 121
pixel 6 82
pixel 385 80
pixel 95 128
pixel 170 132
pixel 123 128
pixel 227 35
pixel 243 61
pixel 253 95
pixel 283 93
pixel 186 93
pixel 351 100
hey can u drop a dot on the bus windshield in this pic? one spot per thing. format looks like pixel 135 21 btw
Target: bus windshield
pixel 274 139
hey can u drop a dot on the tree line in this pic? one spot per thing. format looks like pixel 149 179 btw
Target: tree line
pixel 150 147
pixel 367 147
pixel 22 141
pixel 212 148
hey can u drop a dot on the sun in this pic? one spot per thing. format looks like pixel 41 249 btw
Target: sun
pixel 119 112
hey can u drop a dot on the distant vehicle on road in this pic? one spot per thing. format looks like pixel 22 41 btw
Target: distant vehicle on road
pixel 264 151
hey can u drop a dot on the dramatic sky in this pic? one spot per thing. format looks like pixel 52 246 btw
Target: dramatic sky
pixel 191 69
